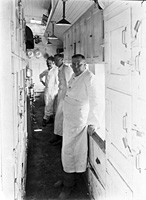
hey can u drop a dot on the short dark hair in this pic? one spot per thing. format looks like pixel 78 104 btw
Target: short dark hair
pixel 50 58
pixel 79 56
pixel 59 55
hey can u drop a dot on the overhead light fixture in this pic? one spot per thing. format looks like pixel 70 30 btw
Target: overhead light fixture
pixel 52 36
pixel 63 21
pixel 33 21
pixel 49 43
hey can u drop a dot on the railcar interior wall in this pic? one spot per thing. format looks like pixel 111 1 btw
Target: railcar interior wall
pixel 112 36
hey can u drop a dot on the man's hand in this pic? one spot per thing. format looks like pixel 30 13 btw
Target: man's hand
pixel 91 129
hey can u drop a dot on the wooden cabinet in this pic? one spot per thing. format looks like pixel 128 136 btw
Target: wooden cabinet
pixel 97 191
pixel 118 147
pixel 118 55
pixel 125 50
pixel 88 41
pixel 78 38
pixel 87 36
pixel 139 48
pixel 97 36
pixel 116 187
pixel 82 47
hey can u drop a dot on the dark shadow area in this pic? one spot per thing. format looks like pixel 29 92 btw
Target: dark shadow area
pixel 44 162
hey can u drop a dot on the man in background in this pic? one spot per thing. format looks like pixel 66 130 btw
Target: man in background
pixel 49 78
pixel 64 75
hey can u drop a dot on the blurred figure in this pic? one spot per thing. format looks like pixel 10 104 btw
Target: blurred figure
pixel 51 88
pixel 64 75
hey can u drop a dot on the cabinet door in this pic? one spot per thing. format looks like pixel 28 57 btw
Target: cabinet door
pixel 97 36
pixel 118 58
pixel 70 43
pixel 64 47
pixel 99 162
pixel 95 188
pixel 88 41
pixel 120 144
pixel 78 42
pixel 139 60
pixel 139 128
pixel 83 39
pixel 68 46
pixel 116 187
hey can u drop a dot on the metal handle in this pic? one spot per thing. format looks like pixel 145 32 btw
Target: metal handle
pixel 124 122
pixel 138 166
pixel 137 63
pixel 124 37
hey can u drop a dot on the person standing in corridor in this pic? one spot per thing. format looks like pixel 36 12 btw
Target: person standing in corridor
pixel 51 88
pixel 81 115
pixel 64 75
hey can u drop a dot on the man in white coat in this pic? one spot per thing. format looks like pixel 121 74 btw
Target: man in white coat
pixel 81 115
pixel 51 88
pixel 64 75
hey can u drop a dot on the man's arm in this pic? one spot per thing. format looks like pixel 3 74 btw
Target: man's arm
pixel 94 95
pixel 41 77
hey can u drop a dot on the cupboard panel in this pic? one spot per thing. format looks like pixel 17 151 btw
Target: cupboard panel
pixel 116 187
pixel 95 188
pixel 99 162
pixel 97 40
pixel 120 144
pixel 118 54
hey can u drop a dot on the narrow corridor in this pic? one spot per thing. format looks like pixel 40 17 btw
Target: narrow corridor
pixel 44 164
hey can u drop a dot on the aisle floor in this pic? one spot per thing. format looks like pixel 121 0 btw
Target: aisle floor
pixel 44 163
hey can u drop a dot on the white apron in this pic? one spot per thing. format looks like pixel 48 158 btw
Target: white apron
pixel 49 101
pixel 80 109
pixel 50 91
pixel 74 151
pixel 64 75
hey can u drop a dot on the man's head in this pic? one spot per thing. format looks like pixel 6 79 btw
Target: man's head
pixel 78 64
pixel 50 62
pixel 58 59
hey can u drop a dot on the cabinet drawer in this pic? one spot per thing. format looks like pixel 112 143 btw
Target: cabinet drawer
pixel 95 188
pixel 116 187
pixel 98 161
pixel 118 51
pixel 120 138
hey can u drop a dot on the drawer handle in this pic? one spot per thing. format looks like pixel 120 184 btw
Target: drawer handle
pixel 97 161
pixel 124 122
pixel 124 37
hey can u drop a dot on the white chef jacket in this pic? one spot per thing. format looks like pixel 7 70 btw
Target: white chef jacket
pixel 80 109
pixel 51 89
pixel 64 75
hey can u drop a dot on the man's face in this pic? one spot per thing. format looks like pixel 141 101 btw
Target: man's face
pixel 58 61
pixel 78 66
pixel 50 64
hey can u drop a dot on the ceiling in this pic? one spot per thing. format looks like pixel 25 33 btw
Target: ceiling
pixel 36 8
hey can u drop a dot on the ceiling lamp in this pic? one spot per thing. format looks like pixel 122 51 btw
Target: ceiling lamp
pixel 63 22
pixel 49 43
pixel 52 36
